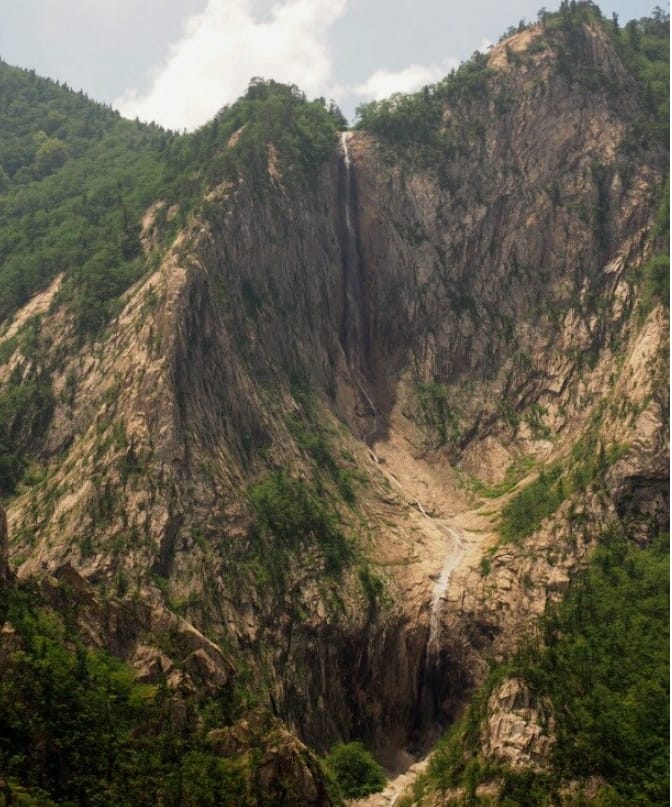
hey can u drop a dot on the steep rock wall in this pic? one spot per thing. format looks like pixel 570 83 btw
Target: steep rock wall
pixel 497 272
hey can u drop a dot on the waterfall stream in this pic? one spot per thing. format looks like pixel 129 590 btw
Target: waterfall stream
pixel 354 327
pixel 352 287
pixel 353 331
pixel 447 539
pixel 450 562
pixel 345 136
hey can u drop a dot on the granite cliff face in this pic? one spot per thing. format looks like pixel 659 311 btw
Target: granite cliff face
pixel 413 336
pixel 5 572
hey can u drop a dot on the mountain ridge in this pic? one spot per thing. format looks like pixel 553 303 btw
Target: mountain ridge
pixel 289 499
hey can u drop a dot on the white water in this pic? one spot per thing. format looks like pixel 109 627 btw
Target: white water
pixel 450 562
pixel 374 414
pixel 451 559
pixel 345 136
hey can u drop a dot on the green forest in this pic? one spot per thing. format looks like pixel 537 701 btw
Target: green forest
pixel 601 658
pixel 75 179
pixel 75 727
pixel 414 120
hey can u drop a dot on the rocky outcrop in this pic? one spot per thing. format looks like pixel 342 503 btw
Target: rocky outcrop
pixel 284 770
pixel 481 310
pixel 5 574
pixel 161 646
pixel 518 729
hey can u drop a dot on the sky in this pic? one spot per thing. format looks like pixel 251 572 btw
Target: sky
pixel 177 62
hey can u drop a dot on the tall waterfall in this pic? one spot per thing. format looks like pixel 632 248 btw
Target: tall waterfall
pixel 436 674
pixel 345 136
pixel 352 285
pixel 450 562
pixel 355 319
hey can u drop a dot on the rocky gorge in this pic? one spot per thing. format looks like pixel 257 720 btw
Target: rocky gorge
pixel 295 461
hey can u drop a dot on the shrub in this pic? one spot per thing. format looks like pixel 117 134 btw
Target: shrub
pixel 290 517
pixel 356 771
pixel 656 286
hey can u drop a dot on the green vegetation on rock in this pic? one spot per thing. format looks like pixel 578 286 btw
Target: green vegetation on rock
pixel 292 518
pixel 437 416
pixel 602 661
pixel 527 509
pixel 26 405
pixel 76 178
pixel 355 770
pixel 76 729
pixel 643 45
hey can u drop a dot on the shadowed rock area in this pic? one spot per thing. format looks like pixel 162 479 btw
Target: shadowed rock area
pixel 365 412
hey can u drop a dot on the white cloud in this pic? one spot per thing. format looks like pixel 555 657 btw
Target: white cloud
pixel 383 83
pixel 224 46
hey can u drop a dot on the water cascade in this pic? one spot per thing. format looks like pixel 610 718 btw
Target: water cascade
pixel 450 562
pixel 355 340
pixel 354 319
pixel 352 287
pixel 345 136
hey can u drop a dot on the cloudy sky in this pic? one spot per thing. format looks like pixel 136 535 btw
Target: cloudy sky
pixel 178 61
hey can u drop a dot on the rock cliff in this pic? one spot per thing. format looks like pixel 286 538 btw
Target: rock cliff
pixel 413 336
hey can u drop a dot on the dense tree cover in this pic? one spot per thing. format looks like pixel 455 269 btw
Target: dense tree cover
pixel 416 119
pixel 601 659
pixel 75 179
pixel 76 729
pixel 355 770
pixel 604 662
pixel 644 46
pixel 236 142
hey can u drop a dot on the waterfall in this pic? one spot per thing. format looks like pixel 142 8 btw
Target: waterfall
pixel 354 319
pixel 369 437
pixel 345 136
pixel 354 331
pixel 450 562
pixel 435 671
pixel 352 287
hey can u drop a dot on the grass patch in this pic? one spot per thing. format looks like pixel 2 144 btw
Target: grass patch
pixel 291 517
pixel 586 466
pixel 514 473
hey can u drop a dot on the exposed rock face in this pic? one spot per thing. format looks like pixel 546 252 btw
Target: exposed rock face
pixel 130 630
pixel 5 573
pixel 518 729
pixel 287 772
pixel 493 318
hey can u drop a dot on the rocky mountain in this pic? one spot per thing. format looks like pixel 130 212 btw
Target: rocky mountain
pixel 320 424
